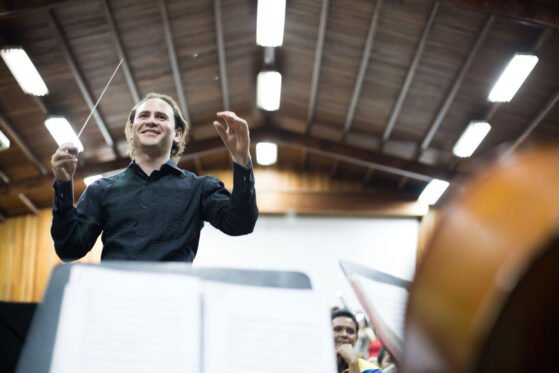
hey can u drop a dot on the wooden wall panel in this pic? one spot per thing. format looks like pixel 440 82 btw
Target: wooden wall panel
pixel 27 257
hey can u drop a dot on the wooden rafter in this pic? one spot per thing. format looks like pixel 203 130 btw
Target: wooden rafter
pixel 362 70
pixel 173 58
pixel 539 11
pixel 28 203
pixel 368 175
pixel 120 51
pixel 455 86
pixel 78 77
pixel 409 77
pixel 317 64
pixel 335 168
pixel 534 123
pixel 329 149
pixel 7 127
pixel 221 54
pixel 352 155
pixel 5 178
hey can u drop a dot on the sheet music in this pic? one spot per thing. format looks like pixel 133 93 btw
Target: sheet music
pixel 388 302
pixel 118 321
pixel 253 329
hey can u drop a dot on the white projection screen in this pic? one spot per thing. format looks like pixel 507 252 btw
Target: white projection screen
pixel 314 245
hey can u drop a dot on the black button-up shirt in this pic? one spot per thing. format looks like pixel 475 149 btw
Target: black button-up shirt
pixel 155 218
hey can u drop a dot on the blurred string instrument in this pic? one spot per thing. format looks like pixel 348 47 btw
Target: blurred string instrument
pixel 486 293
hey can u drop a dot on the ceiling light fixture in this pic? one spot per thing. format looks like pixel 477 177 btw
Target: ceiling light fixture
pixel 470 139
pixel 268 90
pixel 4 141
pixel 433 191
pixel 266 153
pixel 512 77
pixel 270 22
pixel 24 71
pixel 62 131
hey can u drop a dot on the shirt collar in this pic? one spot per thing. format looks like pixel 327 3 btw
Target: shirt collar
pixel 169 166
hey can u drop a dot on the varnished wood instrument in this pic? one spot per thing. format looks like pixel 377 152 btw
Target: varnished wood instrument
pixel 486 293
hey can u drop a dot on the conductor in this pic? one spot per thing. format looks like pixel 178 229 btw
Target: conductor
pixel 153 210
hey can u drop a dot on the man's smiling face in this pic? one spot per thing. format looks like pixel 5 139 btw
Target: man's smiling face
pixel 153 129
pixel 345 331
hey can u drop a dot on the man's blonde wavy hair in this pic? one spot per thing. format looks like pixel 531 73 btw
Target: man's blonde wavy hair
pixel 178 146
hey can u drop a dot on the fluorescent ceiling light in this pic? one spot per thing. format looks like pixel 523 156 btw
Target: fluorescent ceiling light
pixel 4 141
pixel 62 132
pixel 24 71
pixel 470 139
pixel 433 191
pixel 512 77
pixel 268 90
pixel 266 153
pixel 270 22
pixel 91 179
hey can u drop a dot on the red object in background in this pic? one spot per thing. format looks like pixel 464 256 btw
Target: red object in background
pixel 374 348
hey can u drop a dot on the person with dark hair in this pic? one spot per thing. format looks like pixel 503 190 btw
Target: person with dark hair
pixel 345 328
pixel 153 210
pixel 384 358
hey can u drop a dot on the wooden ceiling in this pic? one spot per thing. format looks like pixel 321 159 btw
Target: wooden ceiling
pixel 374 92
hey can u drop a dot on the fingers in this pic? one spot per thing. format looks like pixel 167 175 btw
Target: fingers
pixel 231 119
pixel 69 147
pixel 64 161
pixel 221 129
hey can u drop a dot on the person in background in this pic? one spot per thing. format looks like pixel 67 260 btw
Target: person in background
pixel 345 329
pixel 384 359
pixel 153 210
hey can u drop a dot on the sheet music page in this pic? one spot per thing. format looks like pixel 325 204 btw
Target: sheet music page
pixel 127 321
pixel 387 301
pixel 257 329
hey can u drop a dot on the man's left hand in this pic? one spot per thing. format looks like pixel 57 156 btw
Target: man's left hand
pixel 235 136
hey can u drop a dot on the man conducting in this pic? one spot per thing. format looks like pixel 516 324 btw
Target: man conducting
pixel 153 210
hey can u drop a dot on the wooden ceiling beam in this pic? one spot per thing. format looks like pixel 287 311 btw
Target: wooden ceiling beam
pixel 335 168
pixel 221 54
pixel 362 70
pixel 409 77
pixel 78 77
pixel 173 58
pixel 317 64
pixel 28 203
pixel 304 158
pixel 132 86
pixel 24 7
pixel 534 123
pixel 325 148
pixel 368 175
pixel 538 11
pixel 7 127
pixel 353 155
pixel 451 94
pixel 5 178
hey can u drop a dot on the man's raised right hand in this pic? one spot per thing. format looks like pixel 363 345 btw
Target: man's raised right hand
pixel 64 162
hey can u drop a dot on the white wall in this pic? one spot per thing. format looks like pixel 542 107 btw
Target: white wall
pixel 314 245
